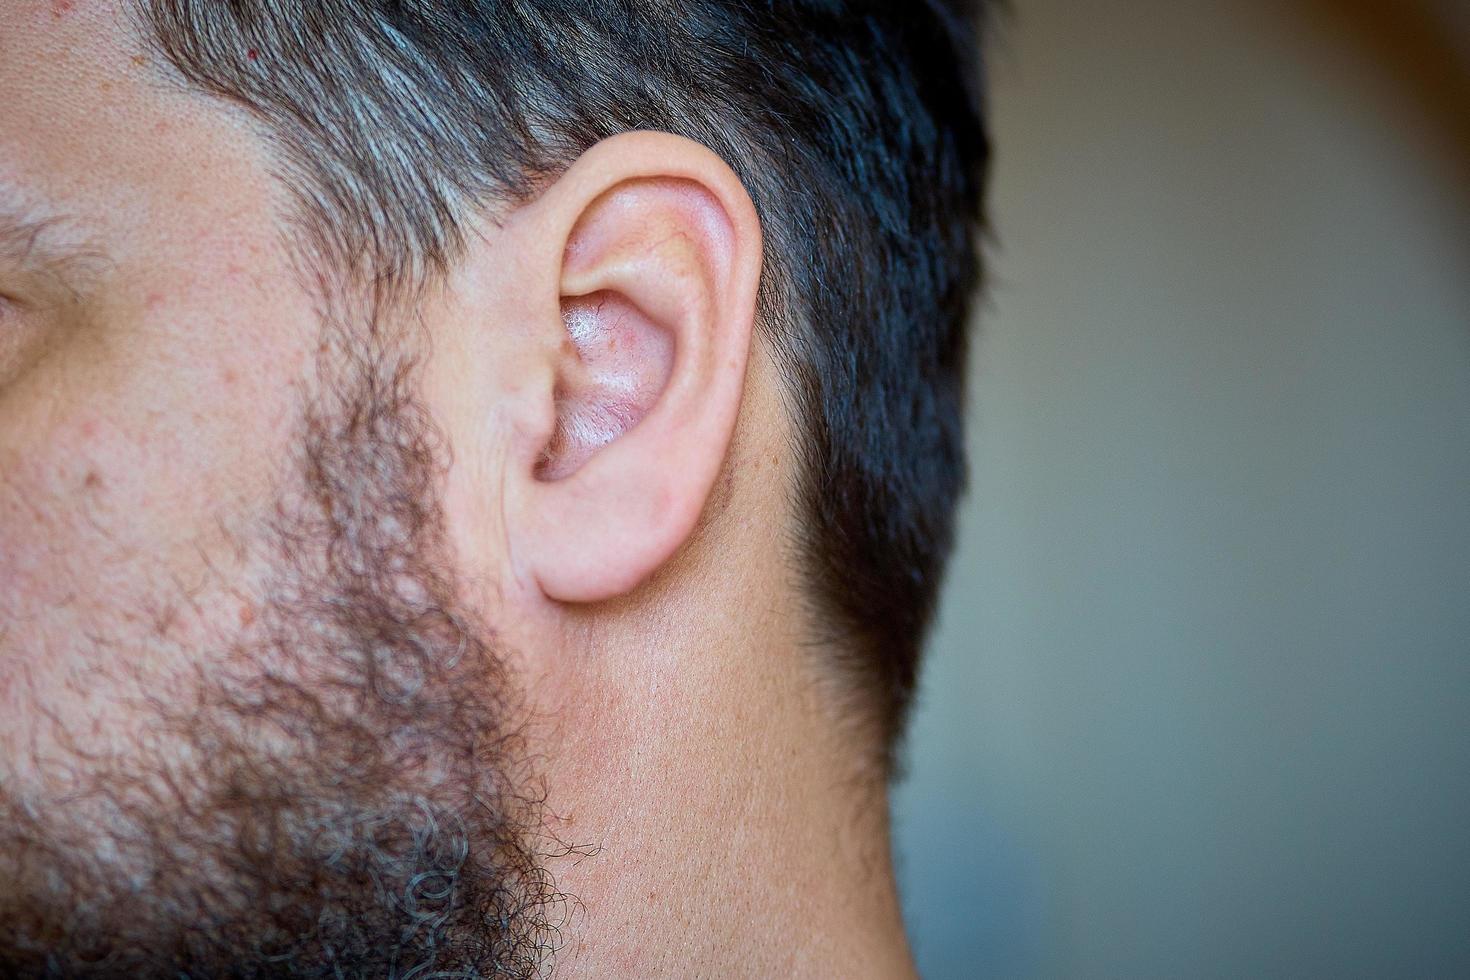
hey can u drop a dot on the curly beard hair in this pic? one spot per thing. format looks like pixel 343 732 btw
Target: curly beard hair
pixel 343 794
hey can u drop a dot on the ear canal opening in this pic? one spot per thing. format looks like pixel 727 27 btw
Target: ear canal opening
pixel 617 364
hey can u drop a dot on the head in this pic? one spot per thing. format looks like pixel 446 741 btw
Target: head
pixel 459 461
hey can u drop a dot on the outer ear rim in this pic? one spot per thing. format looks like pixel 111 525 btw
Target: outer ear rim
pixel 609 558
pixel 650 155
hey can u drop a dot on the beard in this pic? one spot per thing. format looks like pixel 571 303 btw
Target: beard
pixel 338 790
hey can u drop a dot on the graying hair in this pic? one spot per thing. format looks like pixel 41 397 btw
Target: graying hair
pixel 854 124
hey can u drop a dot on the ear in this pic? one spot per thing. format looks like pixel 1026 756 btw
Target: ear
pixel 659 276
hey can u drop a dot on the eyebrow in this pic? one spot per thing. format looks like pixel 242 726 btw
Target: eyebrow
pixel 47 245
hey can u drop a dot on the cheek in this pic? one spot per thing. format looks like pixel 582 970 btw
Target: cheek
pixel 86 510
pixel 121 468
pixel 135 480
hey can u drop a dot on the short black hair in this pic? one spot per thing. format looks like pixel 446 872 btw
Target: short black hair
pixel 856 126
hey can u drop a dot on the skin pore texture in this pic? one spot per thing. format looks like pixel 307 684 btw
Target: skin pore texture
pixel 443 634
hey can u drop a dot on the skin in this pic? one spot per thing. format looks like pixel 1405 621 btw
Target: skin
pixel 614 500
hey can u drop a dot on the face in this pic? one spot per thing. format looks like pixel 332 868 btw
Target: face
pixel 239 684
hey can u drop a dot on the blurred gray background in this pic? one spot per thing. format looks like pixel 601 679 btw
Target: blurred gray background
pixel 1199 702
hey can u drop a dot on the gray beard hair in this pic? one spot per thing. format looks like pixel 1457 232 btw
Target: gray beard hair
pixel 347 797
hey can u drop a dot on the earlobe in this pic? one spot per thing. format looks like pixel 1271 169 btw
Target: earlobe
pixel 658 297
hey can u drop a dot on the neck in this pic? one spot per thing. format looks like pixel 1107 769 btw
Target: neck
pixel 740 827
pixel 728 839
